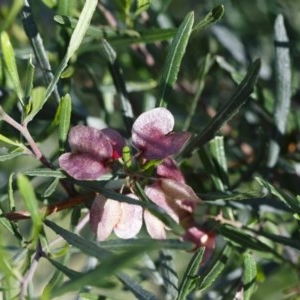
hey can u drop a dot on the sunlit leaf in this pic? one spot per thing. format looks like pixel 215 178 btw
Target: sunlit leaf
pixel 174 57
pixel 188 282
pixel 249 275
pixel 11 65
pixel 28 195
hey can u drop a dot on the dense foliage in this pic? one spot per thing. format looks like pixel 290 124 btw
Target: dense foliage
pixel 149 149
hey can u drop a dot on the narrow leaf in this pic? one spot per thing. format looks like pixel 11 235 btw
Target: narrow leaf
pixel 76 39
pixel 119 83
pixel 138 291
pixel 11 65
pixel 44 172
pixel 12 12
pixel 293 203
pixel 27 192
pixel 65 108
pixel 12 155
pixel 99 276
pixel 228 110
pixel 116 37
pixel 81 27
pixel 121 245
pixel 249 275
pixel 283 89
pixel 174 57
pixel 65 270
pixel 246 241
pixel 142 5
pixel 217 151
pixel 86 246
pixel 168 273
pixel 214 269
pixel 213 16
pixel 189 278
pixel 29 80
pixel 36 103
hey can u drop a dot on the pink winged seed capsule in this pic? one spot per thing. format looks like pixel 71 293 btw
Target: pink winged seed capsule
pixel 152 134
pixel 91 150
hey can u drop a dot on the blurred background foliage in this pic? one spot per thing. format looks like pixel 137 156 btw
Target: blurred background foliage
pixel 215 61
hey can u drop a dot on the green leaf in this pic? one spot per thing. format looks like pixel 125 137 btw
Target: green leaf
pixel 206 65
pixel 10 62
pixel 65 108
pixel 51 188
pixel 86 246
pixel 214 160
pixel 44 172
pixel 119 83
pixel 28 195
pixel 174 57
pixel 191 273
pixel 121 245
pixel 9 141
pixel 99 276
pixel 118 38
pixel 249 275
pixel 142 5
pixel 246 241
pixel 12 155
pixel 283 86
pixel 227 111
pixel 214 269
pixel 75 41
pixel 81 27
pixel 65 270
pixel 168 273
pixel 137 290
pixel 13 11
pixel 293 203
pixel 35 104
pixel 284 240
pixel 65 7
pixel 29 80
pixel 213 16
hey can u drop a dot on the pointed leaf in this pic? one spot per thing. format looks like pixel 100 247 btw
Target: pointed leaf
pixel 293 203
pixel 98 276
pixel 168 273
pixel 86 246
pixel 214 270
pixel 228 110
pixel 65 107
pixel 122 245
pixel 283 89
pixel 11 65
pixel 29 80
pixel 65 270
pixel 9 141
pixel 249 275
pixel 174 57
pixel 36 103
pixel 119 83
pixel 44 172
pixel 137 290
pixel 117 38
pixel 188 280
pixel 246 241
pixel 75 41
pixel 213 16
pixel 4 157
pixel 142 5
pixel 31 202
